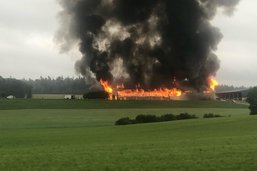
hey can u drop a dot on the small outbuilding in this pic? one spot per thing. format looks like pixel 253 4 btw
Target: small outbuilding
pixel 10 97
pixel 69 97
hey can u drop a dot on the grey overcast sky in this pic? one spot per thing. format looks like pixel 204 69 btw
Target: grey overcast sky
pixel 27 49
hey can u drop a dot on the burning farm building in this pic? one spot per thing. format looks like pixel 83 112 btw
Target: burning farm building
pixel 144 48
pixel 119 92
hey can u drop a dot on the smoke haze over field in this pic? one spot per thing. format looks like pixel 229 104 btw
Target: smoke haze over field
pixel 145 42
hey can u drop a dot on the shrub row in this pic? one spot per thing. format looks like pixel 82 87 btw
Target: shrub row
pixel 153 118
pixel 211 115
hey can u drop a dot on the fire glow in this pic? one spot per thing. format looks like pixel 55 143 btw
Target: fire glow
pixel 106 86
pixel 124 94
pixel 160 94
pixel 213 83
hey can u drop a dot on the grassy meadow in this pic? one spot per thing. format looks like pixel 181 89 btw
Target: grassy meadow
pixel 51 135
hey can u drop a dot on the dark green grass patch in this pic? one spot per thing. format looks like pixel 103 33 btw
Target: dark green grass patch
pixel 140 119
pixel 211 115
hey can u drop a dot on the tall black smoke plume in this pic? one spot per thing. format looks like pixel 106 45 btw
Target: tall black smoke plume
pixel 146 42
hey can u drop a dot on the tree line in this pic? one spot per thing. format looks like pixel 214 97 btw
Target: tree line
pixel 25 88
pixel 17 88
pixel 222 88
pixel 60 85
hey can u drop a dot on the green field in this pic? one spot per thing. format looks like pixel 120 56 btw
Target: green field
pixel 105 104
pixel 51 135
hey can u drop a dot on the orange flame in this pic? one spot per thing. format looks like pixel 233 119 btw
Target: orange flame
pixel 119 92
pixel 107 88
pixel 213 83
pixel 122 93
pixel 160 93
